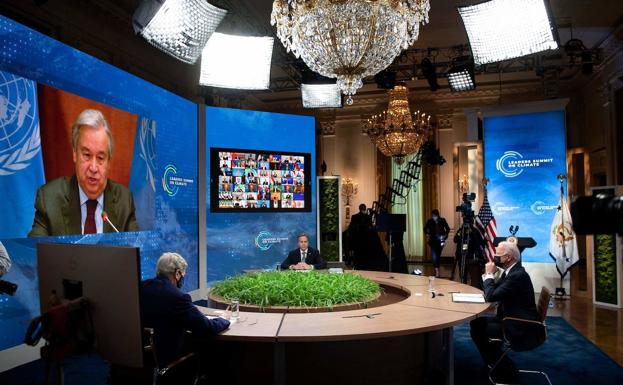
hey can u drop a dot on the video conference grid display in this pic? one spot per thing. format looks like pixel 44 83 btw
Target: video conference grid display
pixel 250 180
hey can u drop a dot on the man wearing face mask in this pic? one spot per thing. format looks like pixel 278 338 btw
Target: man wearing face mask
pixel 171 313
pixel 514 295
pixel 437 229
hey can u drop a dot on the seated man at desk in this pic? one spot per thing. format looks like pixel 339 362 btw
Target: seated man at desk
pixel 171 313
pixel 514 295
pixel 304 257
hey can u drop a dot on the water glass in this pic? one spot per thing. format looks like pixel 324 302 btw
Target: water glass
pixel 431 280
pixel 235 310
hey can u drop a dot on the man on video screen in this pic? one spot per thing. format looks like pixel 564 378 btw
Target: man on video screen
pixel 75 204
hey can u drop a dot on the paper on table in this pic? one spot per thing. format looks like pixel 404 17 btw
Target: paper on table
pixel 468 297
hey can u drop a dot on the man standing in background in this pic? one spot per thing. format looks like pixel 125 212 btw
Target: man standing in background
pixel 437 230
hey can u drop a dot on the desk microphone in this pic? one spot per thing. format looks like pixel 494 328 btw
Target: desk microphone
pixel 105 218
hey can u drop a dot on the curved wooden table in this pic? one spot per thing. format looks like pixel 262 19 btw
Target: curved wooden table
pixel 406 342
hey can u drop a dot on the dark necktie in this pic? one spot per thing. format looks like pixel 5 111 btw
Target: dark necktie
pixel 89 223
pixel 303 256
pixel 503 275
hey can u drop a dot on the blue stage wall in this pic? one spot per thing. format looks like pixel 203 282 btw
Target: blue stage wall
pixel 523 156
pixel 25 52
pixel 233 238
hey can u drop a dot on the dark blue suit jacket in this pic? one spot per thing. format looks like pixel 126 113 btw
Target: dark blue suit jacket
pixel 313 258
pixel 515 297
pixel 170 312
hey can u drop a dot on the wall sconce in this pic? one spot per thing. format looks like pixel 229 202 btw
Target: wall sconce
pixel 463 184
pixel 349 189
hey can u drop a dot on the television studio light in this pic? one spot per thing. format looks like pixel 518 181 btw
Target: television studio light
pixel 461 75
pixel 225 62
pixel 505 29
pixel 180 28
pixel 321 96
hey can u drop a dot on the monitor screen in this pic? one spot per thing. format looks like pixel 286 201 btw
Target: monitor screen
pixel 259 180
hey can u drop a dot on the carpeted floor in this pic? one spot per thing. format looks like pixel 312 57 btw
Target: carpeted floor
pixel 567 356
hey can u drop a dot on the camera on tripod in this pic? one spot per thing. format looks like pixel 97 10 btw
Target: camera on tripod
pixel 465 208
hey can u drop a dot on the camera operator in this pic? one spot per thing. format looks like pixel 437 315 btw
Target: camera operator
pixel 5 261
pixel 469 244
pixel 437 229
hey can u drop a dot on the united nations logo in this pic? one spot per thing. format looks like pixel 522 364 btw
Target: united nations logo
pixel 507 164
pixel 148 149
pixel 19 123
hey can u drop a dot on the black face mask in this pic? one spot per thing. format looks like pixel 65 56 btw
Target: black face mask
pixel 497 261
pixel 180 282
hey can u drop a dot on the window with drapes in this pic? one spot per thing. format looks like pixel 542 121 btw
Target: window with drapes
pixel 413 206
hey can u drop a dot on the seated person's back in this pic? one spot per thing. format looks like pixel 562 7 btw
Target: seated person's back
pixel 171 313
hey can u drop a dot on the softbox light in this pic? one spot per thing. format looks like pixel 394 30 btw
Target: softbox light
pixel 461 75
pixel 506 29
pixel 241 62
pixel 321 96
pixel 180 28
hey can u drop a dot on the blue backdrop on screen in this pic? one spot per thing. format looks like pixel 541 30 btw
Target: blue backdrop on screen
pixel 167 165
pixel 523 156
pixel 237 241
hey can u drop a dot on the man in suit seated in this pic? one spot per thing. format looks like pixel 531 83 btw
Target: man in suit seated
pixel 171 313
pixel 75 204
pixel 303 258
pixel 514 295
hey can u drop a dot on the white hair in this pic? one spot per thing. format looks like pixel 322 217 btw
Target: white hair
pixel 169 263
pixel 94 119
pixel 511 249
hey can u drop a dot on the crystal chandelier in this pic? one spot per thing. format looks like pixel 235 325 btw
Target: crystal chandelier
pixel 348 39
pixel 395 131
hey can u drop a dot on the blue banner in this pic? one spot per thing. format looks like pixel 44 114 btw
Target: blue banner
pixel 524 154
pixel 21 163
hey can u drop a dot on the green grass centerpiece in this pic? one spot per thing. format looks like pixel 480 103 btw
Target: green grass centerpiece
pixel 290 288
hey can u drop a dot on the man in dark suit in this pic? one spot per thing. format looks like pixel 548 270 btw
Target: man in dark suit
pixel 514 295
pixel 171 313
pixel 359 235
pixel 74 205
pixel 437 229
pixel 303 258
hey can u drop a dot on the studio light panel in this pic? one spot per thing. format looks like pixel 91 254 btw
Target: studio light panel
pixel 505 29
pixel 321 96
pixel 179 28
pixel 461 80
pixel 241 62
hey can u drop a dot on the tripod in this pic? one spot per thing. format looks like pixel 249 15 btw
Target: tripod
pixel 466 230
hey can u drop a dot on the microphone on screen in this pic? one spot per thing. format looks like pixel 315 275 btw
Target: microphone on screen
pixel 105 218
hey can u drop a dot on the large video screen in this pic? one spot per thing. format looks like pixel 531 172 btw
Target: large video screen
pixel 259 180
pixel 48 176
pixel 60 151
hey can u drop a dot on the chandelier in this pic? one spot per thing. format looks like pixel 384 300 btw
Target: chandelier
pixel 395 131
pixel 348 39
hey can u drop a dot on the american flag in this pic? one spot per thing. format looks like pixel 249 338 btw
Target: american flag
pixel 485 223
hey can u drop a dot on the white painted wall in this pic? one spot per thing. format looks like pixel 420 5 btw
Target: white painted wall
pixel 350 154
